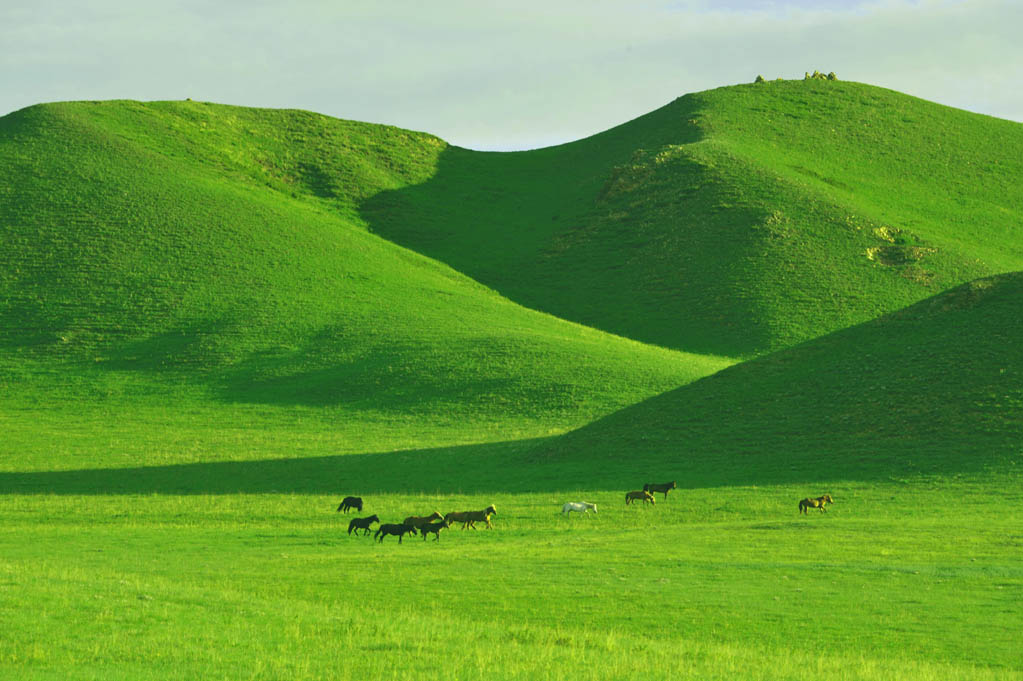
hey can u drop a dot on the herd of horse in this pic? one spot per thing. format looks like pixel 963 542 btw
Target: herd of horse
pixel 412 525
pixel 435 522
pixel 646 495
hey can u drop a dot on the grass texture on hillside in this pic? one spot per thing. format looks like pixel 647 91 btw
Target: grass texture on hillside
pixel 164 244
pixel 734 221
pixel 205 343
pixel 934 389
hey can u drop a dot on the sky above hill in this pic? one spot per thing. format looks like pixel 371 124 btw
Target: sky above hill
pixel 500 75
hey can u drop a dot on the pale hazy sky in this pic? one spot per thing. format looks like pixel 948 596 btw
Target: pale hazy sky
pixel 500 75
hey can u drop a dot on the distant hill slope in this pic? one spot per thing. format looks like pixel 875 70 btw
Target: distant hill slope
pixel 187 243
pixel 936 388
pixel 734 221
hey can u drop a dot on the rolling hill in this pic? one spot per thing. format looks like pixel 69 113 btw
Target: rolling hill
pixel 217 250
pixel 734 221
pixel 933 389
pixel 196 254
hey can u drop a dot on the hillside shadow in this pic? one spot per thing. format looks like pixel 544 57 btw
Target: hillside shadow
pixel 603 232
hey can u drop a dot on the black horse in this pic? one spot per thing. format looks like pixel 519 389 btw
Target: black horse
pixel 435 528
pixel 362 524
pixel 663 487
pixel 350 502
pixel 400 529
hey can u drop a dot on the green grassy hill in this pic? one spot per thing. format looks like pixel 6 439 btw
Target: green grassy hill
pixel 218 251
pixel 207 336
pixel 934 389
pixel 734 221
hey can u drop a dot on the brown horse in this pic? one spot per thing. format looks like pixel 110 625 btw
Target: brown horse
pixel 470 518
pixel 640 494
pixel 817 503
pixel 419 521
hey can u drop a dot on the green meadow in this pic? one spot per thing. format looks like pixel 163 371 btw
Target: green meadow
pixel 216 322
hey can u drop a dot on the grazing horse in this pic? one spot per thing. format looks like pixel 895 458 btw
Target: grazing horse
pixel 350 502
pixel 640 494
pixel 817 503
pixel 419 521
pixel 579 506
pixel 362 524
pixel 398 529
pixel 470 518
pixel 435 528
pixel 663 487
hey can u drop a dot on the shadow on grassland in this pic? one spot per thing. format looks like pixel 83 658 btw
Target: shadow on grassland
pixel 468 469
pixel 623 232
pixel 523 466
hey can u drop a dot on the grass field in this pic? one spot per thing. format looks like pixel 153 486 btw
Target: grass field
pixel 215 322
pixel 900 580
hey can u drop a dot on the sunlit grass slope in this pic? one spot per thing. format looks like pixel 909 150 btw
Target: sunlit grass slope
pixel 733 221
pixel 934 389
pixel 218 249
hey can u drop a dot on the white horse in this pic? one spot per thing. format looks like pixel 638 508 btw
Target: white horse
pixel 580 506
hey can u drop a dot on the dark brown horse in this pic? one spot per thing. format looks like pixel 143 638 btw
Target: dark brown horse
pixel 433 528
pixel 663 487
pixel 349 503
pixel 362 524
pixel 398 529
